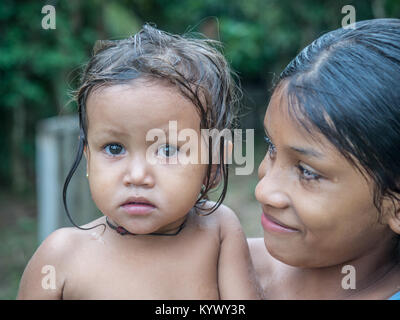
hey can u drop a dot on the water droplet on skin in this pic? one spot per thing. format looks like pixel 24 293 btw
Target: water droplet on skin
pixel 96 236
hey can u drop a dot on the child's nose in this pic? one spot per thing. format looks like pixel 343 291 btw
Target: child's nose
pixel 139 173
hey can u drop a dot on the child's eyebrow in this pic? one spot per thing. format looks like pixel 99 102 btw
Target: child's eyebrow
pixel 304 151
pixel 114 132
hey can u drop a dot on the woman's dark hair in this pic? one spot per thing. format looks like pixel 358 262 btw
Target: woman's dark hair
pixel 346 84
pixel 193 65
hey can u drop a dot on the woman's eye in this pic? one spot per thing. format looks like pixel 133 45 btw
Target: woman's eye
pixel 308 174
pixel 167 151
pixel 271 149
pixel 114 149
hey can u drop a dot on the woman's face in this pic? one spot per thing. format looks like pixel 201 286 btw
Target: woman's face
pixel 318 209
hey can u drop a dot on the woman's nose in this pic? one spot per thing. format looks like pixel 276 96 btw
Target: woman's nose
pixel 272 188
pixel 139 173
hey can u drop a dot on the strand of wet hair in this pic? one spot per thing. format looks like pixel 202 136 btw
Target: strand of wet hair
pixel 75 165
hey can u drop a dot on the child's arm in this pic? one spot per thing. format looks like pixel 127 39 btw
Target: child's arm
pixel 236 276
pixel 44 276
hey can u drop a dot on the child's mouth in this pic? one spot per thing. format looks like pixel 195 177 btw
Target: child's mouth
pixel 138 207
pixel 140 203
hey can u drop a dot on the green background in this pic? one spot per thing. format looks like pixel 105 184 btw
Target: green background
pixel 39 69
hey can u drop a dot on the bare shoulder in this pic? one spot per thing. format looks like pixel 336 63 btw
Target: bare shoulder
pixel 55 247
pixel 53 255
pixel 47 258
pixel 224 212
pixel 257 248
pixel 65 240
pixel 226 218
pixel 223 217
pixel 264 264
pixel 220 224
pixel 262 260
pixel 237 279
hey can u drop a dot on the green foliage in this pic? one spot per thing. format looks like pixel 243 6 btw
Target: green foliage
pixel 39 67
pixel 18 245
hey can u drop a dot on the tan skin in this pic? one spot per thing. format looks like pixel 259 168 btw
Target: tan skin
pixel 307 185
pixel 208 259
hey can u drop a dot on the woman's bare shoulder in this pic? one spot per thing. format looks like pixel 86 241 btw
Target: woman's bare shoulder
pixel 264 263
pixel 259 253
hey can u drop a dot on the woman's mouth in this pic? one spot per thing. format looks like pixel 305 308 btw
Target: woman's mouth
pixel 271 224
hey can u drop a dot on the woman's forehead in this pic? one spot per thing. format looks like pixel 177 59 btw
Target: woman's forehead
pixel 286 123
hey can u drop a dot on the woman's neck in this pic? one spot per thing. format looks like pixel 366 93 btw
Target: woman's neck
pixel 374 275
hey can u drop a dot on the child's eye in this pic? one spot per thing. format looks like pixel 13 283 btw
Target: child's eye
pixel 308 174
pixel 114 149
pixel 271 149
pixel 166 151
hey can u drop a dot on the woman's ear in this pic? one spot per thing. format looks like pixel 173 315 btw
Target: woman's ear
pixel 394 222
pixel 393 218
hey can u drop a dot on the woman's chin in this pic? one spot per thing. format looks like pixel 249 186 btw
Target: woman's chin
pixel 284 252
pixel 296 257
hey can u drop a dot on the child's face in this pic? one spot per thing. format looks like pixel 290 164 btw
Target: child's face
pixel 119 117
pixel 325 204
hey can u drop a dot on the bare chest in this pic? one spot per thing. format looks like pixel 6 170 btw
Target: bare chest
pixel 154 272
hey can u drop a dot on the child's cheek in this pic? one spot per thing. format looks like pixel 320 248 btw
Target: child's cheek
pixel 186 179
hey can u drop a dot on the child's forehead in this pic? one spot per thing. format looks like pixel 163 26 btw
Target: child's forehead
pixel 141 105
pixel 140 86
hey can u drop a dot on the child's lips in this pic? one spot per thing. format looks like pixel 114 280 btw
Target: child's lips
pixel 138 206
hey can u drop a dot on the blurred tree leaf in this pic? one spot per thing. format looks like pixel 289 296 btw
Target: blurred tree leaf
pixel 39 67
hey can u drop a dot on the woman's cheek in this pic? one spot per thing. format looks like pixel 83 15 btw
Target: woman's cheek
pixel 315 215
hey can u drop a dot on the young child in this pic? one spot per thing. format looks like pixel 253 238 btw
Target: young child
pixel 157 238
pixel 330 181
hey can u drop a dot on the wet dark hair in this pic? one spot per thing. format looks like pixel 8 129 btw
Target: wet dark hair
pixel 195 66
pixel 346 85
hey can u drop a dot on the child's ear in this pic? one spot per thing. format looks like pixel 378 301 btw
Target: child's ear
pixel 86 154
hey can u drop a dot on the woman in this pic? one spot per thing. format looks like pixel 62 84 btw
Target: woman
pixel 330 181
